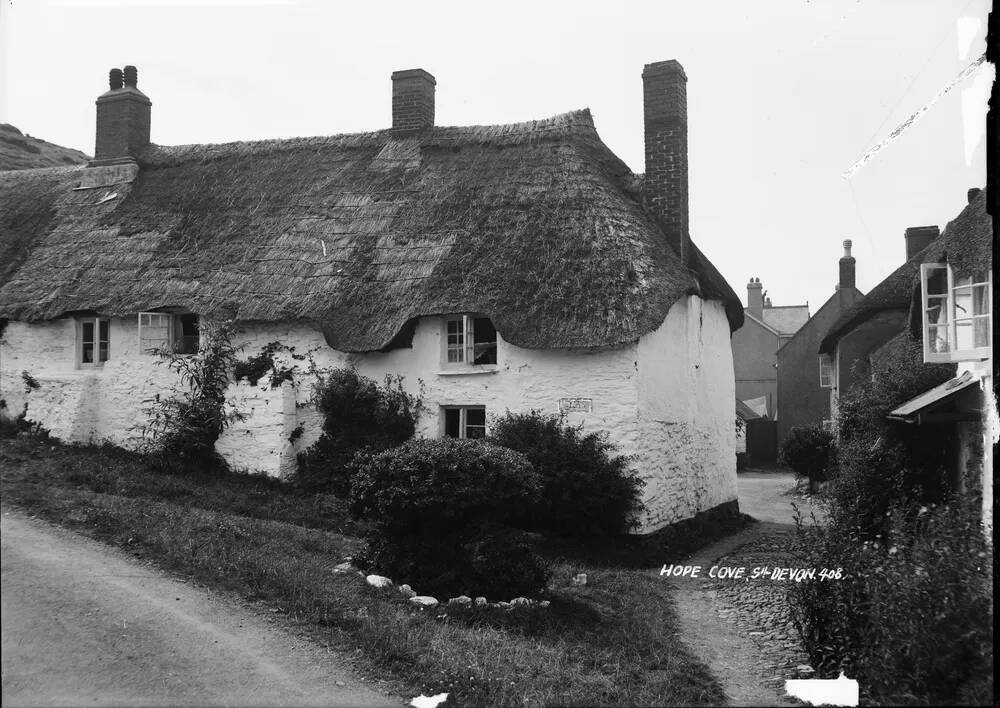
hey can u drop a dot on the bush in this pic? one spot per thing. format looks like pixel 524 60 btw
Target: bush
pixel 358 415
pixel 440 511
pixel 912 617
pixel 810 452
pixel 181 430
pixel 587 491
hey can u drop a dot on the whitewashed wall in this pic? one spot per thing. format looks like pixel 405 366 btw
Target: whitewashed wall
pixel 668 399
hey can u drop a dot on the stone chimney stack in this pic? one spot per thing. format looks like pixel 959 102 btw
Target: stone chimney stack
pixel 918 238
pixel 755 298
pixel 847 267
pixel 972 194
pixel 122 119
pixel 412 100
pixel 665 120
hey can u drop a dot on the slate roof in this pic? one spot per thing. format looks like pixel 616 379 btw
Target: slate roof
pixel 537 225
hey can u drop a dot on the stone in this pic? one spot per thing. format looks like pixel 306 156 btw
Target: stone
pixel 544 603
pixel 461 600
pixel 424 600
pixel 580 579
pixel 505 605
pixel 480 601
pixel 520 602
pixel 378 581
pixel 407 591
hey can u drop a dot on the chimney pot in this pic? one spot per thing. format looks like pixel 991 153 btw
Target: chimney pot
pixel 847 267
pixel 665 130
pixel 755 298
pixel 412 100
pixel 131 76
pixel 973 193
pixel 918 238
pixel 847 248
pixel 115 79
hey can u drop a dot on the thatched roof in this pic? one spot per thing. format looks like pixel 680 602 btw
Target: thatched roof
pixel 966 244
pixel 537 225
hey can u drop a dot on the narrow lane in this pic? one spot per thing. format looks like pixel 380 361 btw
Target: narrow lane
pixel 83 624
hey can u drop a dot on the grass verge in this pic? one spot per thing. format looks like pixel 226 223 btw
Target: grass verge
pixel 614 641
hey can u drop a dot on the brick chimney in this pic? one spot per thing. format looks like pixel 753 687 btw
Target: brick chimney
pixel 755 298
pixel 665 121
pixel 847 267
pixel 412 100
pixel 918 238
pixel 122 119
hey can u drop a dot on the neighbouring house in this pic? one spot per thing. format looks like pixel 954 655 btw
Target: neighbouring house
pixel 846 348
pixel 744 415
pixel 506 267
pixel 804 379
pixel 765 329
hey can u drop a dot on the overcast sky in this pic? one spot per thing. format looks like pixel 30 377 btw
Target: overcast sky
pixel 783 97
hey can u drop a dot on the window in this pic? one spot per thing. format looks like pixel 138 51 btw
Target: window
pixel 957 319
pixel 465 421
pixel 93 338
pixel 168 331
pixel 825 371
pixel 470 340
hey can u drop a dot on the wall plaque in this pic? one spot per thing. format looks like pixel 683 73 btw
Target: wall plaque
pixel 576 405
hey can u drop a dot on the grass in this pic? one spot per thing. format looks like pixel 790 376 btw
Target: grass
pixel 613 641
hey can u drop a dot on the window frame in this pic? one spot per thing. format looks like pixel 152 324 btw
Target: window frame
pixel 464 331
pixel 951 324
pixel 828 368
pixel 463 413
pixel 96 321
pixel 175 333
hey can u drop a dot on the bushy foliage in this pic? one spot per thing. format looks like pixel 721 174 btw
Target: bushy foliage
pixel 912 618
pixel 181 430
pixel 264 364
pixel 358 415
pixel 588 490
pixel 440 511
pixel 810 451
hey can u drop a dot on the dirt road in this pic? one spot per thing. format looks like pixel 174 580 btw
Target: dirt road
pixel 84 624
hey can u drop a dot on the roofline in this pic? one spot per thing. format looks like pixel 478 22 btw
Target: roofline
pixel 830 340
pixel 815 314
pixel 766 326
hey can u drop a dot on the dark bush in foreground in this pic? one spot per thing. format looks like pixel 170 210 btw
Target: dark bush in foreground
pixel 440 510
pixel 912 618
pixel 810 451
pixel 587 491
pixel 358 415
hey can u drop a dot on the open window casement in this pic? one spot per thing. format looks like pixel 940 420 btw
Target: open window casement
pixel 165 331
pixel 957 314
pixel 471 341
pixel 465 422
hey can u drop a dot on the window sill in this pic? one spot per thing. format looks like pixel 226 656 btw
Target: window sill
pixel 470 371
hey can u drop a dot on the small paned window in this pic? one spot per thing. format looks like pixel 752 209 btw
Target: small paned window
pixel 165 331
pixel 93 341
pixel 825 371
pixel 470 340
pixel 957 316
pixel 465 422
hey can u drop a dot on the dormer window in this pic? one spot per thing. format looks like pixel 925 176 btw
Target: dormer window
pixel 168 331
pixel 470 341
pixel 957 317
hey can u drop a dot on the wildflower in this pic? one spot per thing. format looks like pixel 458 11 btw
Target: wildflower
pixel 923 510
pixel 892 551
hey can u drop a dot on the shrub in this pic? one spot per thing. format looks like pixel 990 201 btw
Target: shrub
pixel 588 490
pixel 181 430
pixel 810 452
pixel 440 511
pixel 912 617
pixel 358 415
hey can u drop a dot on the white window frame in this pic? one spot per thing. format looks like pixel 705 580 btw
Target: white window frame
pixel 174 331
pixel 462 354
pixel 98 362
pixel 953 318
pixel 463 424
pixel 825 366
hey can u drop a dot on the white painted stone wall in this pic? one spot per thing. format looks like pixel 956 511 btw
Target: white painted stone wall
pixel 668 399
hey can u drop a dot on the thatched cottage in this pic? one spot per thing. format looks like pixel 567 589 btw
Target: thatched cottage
pixel 505 267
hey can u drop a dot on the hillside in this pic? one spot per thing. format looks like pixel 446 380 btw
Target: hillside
pixel 23 152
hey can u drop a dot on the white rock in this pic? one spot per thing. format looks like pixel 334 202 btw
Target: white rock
pixel 544 603
pixel 424 600
pixel 520 602
pixel 480 601
pixel 407 591
pixel 460 600
pixel 378 581
pixel 580 579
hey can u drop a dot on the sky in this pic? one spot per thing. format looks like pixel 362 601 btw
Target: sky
pixel 783 97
